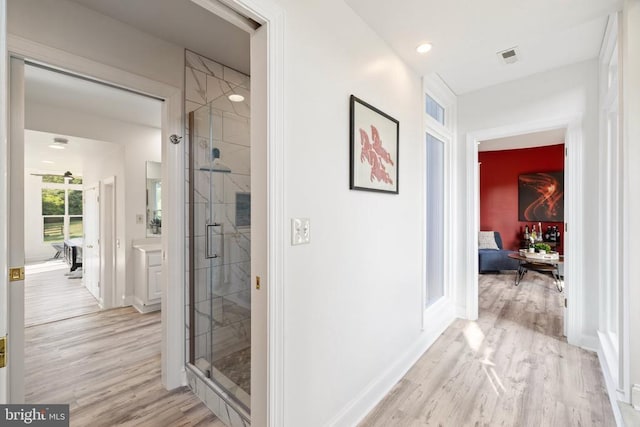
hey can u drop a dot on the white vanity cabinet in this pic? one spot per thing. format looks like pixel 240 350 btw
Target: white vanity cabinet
pixel 147 277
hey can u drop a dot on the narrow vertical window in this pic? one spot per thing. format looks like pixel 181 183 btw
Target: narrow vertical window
pixel 435 220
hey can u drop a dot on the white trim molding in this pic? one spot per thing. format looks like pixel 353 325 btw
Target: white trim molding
pixel 610 382
pixel 269 13
pixel 437 89
pixel 573 216
pixel 4 193
pixel 635 396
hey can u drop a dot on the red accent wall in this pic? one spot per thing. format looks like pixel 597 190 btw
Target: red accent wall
pixel 499 188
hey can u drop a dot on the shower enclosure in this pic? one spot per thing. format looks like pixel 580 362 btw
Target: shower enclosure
pixel 219 263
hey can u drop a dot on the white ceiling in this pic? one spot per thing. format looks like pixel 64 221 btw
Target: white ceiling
pixel 183 23
pixel 467 34
pixel 72 158
pixel 70 93
pixel 63 91
pixel 529 140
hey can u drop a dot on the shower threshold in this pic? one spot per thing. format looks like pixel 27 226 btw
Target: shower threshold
pixel 215 376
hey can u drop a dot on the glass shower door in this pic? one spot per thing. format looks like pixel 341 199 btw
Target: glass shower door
pixel 220 247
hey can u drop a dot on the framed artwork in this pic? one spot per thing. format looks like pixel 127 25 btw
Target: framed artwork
pixel 541 197
pixel 374 148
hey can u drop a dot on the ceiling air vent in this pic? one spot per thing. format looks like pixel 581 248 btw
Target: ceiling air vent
pixel 509 56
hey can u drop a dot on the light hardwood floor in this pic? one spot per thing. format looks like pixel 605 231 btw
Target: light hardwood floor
pixel 512 367
pixel 50 295
pixel 106 366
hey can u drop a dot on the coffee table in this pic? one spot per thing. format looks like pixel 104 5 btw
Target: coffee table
pixel 541 265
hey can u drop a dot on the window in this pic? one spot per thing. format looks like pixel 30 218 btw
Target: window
pixel 61 208
pixel 53 210
pixel 435 220
pixel 440 131
pixel 435 110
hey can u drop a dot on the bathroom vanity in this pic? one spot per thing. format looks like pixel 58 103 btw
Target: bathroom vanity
pixel 147 258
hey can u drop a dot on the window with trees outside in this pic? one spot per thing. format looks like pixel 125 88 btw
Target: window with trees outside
pixel 61 208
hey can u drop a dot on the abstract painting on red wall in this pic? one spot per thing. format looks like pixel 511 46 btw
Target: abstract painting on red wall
pixel 541 197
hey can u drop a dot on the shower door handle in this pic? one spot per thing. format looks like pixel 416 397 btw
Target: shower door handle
pixel 207 240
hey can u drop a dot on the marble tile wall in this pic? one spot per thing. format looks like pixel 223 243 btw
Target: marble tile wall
pixel 227 413
pixel 222 289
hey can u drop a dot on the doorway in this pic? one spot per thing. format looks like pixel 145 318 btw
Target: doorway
pixel 78 213
pixel 520 255
pixel 271 269
pixel 573 198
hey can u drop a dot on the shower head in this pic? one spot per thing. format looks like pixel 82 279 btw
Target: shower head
pixel 217 165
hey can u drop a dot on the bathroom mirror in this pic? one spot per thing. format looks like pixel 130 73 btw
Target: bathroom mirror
pixel 154 199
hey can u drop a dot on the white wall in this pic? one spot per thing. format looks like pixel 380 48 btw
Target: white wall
pixel 352 295
pixel 555 94
pixel 631 136
pixel 74 28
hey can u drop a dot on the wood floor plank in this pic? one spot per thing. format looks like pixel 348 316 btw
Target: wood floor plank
pixel 511 367
pixel 50 295
pixel 106 366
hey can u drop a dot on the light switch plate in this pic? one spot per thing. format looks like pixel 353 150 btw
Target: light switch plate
pixel 300 231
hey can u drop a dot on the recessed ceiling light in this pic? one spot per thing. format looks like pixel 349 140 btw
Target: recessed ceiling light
pixel 236 98
pixel 57 147
pixel 424 48
pixel 49 162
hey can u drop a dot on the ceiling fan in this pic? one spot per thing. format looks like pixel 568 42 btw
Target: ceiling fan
pixel 67 174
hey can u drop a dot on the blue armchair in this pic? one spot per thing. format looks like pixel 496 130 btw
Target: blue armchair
pixel 496 260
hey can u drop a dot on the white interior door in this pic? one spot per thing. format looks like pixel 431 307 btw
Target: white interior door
pixel 15 233
pixel 259 297
pixel 4 296
pixel 91 249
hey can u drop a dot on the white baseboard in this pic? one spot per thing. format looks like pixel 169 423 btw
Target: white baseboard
pixel 437 319
pixel 635 397
pixel 610 384
pixel 590 342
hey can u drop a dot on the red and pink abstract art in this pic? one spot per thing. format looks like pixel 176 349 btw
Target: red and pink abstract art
pixel 375 154
pixel 541 197
pixel 374 143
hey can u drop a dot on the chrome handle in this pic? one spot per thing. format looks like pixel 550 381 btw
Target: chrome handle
pixel 89 246
pixel 207 240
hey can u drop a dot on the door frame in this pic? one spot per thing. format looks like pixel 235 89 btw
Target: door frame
pixel 572 210
pixel 107 241
pixel 4 194
pixel 95 187
pixel 269 14
pixel 172 361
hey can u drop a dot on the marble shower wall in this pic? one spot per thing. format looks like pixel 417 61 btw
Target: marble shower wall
pixel 222 291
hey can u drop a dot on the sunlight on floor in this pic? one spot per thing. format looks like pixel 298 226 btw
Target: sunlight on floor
pixel 490 372
pixel 474 336
pixel 44 266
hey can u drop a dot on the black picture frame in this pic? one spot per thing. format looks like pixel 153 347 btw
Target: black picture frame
pixel 374 148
